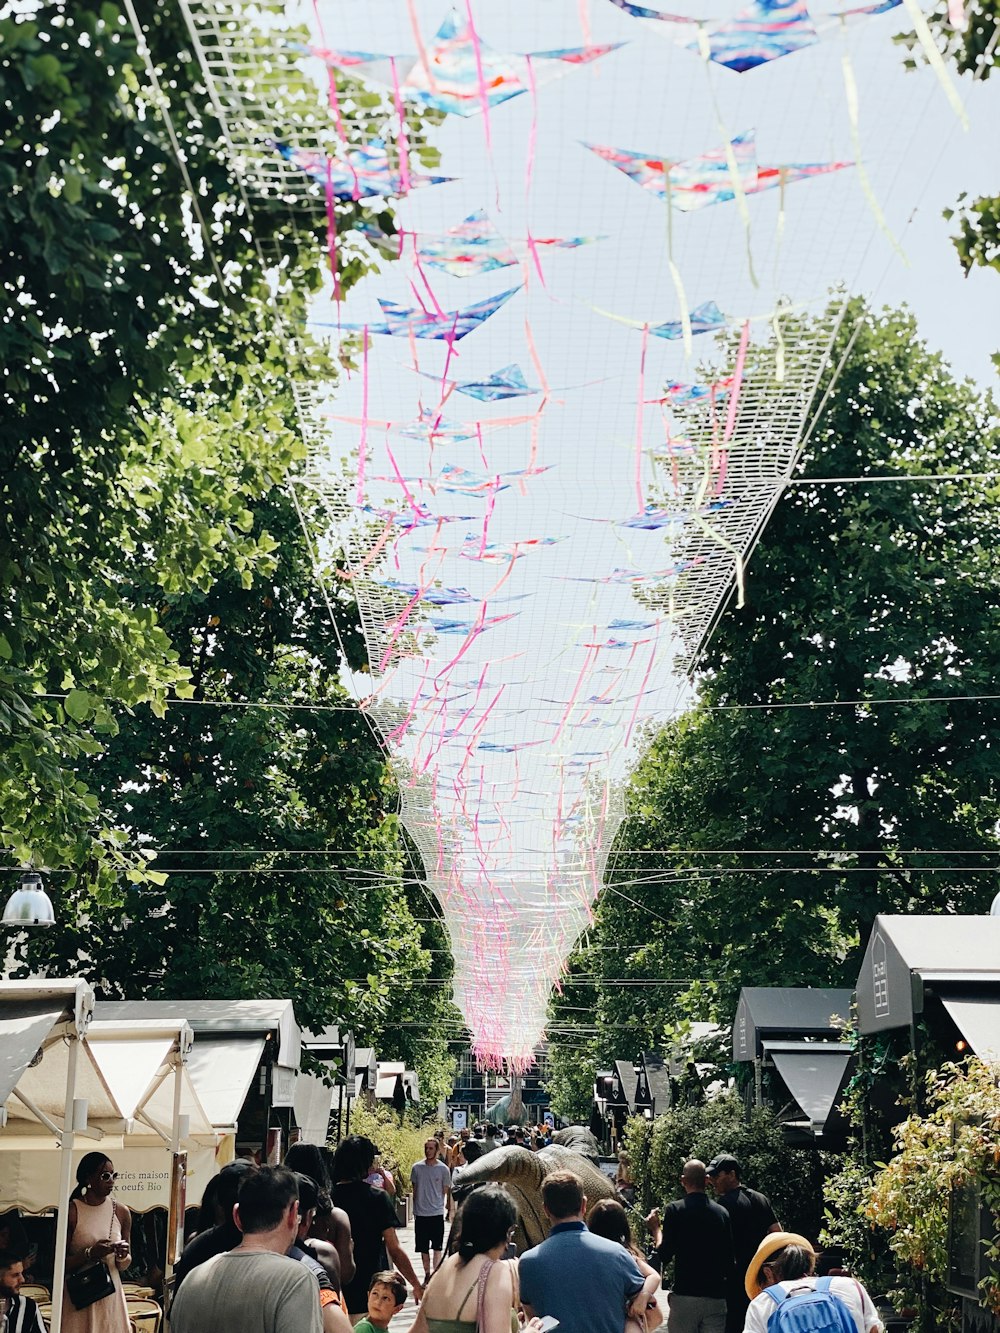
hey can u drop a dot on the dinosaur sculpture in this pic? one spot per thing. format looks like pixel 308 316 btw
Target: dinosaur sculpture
pixel 580 1139
pixel 522 1172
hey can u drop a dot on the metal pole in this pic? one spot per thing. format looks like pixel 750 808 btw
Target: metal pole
pixel 65 1176
pixel 173 1222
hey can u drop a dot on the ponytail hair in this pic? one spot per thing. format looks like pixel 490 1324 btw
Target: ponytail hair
pixel 88 1164
pixel 487 1215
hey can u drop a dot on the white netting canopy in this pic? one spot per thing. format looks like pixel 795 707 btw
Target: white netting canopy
pixel 583 369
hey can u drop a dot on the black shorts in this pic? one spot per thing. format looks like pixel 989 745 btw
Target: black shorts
pixel 428 1233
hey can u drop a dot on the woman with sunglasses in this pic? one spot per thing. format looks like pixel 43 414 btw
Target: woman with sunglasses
pixel 99 1231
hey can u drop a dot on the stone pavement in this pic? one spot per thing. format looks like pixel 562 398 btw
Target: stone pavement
pixel 401 1322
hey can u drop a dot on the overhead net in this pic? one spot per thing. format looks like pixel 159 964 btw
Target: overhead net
pixel 581 376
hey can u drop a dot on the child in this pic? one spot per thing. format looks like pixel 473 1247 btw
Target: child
pixel 386 1297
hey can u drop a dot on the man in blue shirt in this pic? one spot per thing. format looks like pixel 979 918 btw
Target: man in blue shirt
pixel 586 1282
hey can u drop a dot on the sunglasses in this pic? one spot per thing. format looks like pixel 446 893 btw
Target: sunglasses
pixel 108 1175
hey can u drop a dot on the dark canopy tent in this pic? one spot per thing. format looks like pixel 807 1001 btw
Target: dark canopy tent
pixel 796 1032
pixel 913 961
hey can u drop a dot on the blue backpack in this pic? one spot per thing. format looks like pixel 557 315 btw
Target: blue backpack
pixel 817 1311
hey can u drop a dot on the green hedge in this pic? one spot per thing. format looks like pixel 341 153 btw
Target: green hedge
pixel 792 1178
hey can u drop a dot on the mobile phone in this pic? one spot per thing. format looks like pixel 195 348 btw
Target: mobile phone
pixel 548 1323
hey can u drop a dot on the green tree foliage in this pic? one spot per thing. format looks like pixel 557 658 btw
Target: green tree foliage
pixel 772 822
pixel 790 1177
pixel 144 407
pixel 954 1147
pixel 972 49
pixel 284 875
pixel 150 554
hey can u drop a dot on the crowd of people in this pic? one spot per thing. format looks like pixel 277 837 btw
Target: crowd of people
pixel 276 1266
pixel 312 1246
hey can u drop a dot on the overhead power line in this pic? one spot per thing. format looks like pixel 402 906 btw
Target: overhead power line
pixel 271 705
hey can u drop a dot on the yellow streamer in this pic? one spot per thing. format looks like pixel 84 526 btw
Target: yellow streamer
pixel 935 60
pixel 734 170
pixel 851 93
pixel 779 349
pixel 685 313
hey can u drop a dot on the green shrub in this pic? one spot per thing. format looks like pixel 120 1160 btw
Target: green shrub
pixel 957 1143
pixel 400 1145
pixel 846 1226
pixel 790 1177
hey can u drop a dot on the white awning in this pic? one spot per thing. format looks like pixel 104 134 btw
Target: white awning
pixel 313 1100
pixel 23 1028
pixel 978 1020
pixel 129 1068
pixel 126 1073
pixel 30 1176
pixel 813 1075
pixel 222 1069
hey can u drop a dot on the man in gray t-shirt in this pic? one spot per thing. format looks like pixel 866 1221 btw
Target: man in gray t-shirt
pixel 431 1181
pixel 255 1288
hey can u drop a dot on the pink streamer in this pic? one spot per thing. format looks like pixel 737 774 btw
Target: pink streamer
pixel 483 95
pixel 737 381
pixel 402 143
pixel 638 423
pixel 421 48
pixel 642 687
pixel 491 501
pixel 359 498
pixel 331 79
pixel 530 166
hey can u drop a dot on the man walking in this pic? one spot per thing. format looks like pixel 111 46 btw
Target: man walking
pixel 751 1217
pixel 696 1235
pixel 431 1181
pixel 586 1282
pixel 255 1288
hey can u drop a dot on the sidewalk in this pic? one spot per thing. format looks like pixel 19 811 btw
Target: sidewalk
pixel 400 1323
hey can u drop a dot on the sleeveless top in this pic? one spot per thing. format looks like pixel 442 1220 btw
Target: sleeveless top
pixel 460 1325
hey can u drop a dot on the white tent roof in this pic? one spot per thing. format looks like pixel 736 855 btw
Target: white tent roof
pixel 222 1069
pixel 126 1078
pixel 214 1019
pixel 313 1101
pixel 28 1014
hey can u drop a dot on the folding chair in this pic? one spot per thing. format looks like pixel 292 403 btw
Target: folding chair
pixel 144 1313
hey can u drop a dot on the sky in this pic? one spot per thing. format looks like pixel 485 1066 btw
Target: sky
pixel 516 671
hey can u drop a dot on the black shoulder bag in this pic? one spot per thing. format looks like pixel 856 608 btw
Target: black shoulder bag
pixel 89 1285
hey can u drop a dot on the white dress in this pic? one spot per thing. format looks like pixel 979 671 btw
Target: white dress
pixel 96 1223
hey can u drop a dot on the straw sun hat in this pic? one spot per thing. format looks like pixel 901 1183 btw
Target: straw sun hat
pixel 774 1241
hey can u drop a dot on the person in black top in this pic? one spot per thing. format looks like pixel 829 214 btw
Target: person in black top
pixel 373 1222
pixel 695 1234
pixel 752 1218
pixel 227 1235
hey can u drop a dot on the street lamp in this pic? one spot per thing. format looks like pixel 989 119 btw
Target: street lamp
pixel 29 904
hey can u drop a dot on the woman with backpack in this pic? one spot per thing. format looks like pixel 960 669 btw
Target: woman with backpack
pixel 785 1297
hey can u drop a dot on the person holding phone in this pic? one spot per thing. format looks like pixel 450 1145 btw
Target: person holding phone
pixel 99 1233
